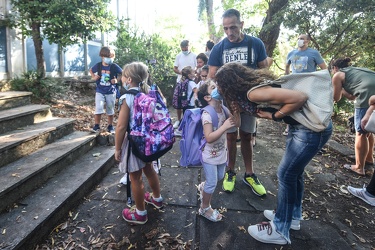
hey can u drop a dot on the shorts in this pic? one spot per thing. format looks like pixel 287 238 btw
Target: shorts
pixel 359 113
pixel 108 100
pixel 248 124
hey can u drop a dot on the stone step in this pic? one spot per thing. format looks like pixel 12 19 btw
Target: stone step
pixel 23 141
pixel 13 99
pixel 37 214
pixel 14 118
pixel 21 177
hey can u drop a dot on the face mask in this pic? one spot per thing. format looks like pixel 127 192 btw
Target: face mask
pixel 186 52
pixel 108 60
pixel 216 95
pixel 127 86
pixel 300 43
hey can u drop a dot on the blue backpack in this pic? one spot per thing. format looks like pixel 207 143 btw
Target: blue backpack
pixel 192 138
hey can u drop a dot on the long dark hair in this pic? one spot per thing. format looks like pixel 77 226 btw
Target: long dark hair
pixel 235 79
pixel 341 62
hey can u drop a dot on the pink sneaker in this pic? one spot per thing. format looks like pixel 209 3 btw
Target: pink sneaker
pixel 131 216
pixel 150 200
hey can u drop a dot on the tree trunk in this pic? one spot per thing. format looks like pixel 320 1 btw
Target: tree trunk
pixel 271 26
pixel 38 45
pixel 210 20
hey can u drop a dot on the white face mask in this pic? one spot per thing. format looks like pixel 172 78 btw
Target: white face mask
pixel 300 43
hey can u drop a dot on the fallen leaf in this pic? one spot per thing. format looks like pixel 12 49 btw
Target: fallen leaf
pixel 96 154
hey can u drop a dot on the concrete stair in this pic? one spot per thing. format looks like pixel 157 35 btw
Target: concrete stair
pixel 46 168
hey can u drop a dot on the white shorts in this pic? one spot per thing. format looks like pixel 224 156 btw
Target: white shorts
pixel 248 124
pixel 107 100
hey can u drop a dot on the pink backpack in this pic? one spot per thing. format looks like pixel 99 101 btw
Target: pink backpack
pixel 151 130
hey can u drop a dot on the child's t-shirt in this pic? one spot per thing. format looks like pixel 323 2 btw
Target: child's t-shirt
pixel 104 85
pixel 215 153
pixel 191 86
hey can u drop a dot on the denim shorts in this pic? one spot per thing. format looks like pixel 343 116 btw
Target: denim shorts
pixel 359 113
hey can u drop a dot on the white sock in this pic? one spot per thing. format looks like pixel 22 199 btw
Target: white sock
pixel 141 213
pixel 159 199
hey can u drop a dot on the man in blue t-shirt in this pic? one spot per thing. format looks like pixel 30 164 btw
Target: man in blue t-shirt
pixel 304 59
pixel 235 48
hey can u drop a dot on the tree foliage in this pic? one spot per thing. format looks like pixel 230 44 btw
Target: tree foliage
pixel 60 21
pixel 337 28
pixel 132 45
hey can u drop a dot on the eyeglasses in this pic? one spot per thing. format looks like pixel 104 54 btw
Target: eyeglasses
pixel 204 76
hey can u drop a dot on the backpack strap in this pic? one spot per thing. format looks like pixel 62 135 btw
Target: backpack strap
pixel 213 114
pixel 249 51
pixel 132 91
pixel 99 66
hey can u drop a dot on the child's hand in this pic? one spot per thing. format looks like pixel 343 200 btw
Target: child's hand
pixel 96 77
pixel 229 123
pixel 118 155
pixel 114 80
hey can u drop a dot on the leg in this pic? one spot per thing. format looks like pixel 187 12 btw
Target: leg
pixel 97 118
pixel 302 145
pixel 211 174
pixel 138 189
pixel 247 151
pixel 370 154
pixel 361 151
pixel 153 180
pixel 179 114
pixel 232 149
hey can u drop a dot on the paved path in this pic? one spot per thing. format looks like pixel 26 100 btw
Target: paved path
pixel 100 215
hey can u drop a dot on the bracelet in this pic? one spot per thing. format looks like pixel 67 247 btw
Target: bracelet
pixel 282 113
pixel 276 119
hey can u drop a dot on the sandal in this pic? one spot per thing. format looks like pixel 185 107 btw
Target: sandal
pixel 349 167
pixel 213 217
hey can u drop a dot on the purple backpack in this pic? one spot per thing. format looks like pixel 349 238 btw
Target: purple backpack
pixel 192 138
pixel 180 99
pixel 151 131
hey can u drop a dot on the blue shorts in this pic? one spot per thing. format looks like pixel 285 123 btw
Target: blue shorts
pixel 359 113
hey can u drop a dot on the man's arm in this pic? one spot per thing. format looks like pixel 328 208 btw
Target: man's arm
pixel 212 71
pixel 323 65
pixel 263 64
pixel 175 69
pixel 287 69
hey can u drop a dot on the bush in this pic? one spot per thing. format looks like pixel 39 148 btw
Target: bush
pixel 43 89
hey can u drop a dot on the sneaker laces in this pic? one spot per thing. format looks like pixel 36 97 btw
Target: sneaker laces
pixel 230 175
pixel 255 178
pixel 265 226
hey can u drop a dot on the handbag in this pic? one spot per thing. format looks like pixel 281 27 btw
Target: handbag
pixel 370 126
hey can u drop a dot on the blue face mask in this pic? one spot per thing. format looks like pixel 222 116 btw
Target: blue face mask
pixel 186 52
pixel 108 60
pixel 216 95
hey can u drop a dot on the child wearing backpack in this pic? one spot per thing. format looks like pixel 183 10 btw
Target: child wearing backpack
pixel 184 95
pixel 105 74
pixel 135 76
pixel 214 152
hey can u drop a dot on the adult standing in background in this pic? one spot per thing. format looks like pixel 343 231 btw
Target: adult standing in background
pixel 183 59
pixel 209 45
pixel 356 84
pixel 303 59
pixel 235 48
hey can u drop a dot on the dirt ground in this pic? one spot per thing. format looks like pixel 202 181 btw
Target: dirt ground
pixel 328 202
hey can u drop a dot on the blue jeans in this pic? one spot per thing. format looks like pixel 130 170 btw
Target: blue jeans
pixel 302 144
pixel 213 174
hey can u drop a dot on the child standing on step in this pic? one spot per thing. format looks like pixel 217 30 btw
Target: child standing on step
pixel 135 76
pixel 105 74
pixel 214 152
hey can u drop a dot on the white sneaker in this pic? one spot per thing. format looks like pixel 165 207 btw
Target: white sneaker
pixel 270 214
pixel 177 132
pixel 266 232
pixel 176 124
pixel 124 179
pixel 362 194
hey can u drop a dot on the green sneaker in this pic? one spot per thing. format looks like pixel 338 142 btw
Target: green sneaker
pixel 229 181
pixel 253 182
